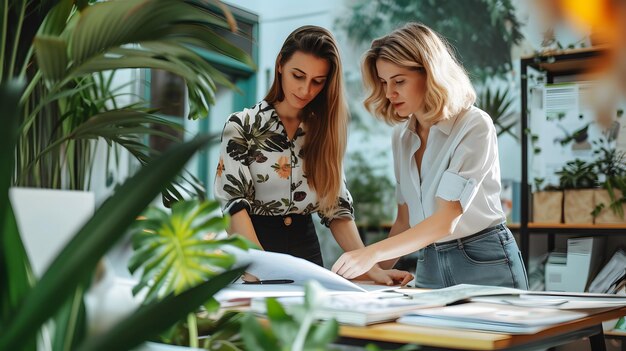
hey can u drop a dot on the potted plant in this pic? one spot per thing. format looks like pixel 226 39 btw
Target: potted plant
pixel 28 305
pixel 547 203
pixel 577 179
pixel 66 51
pixel 610 200
pixel 69 51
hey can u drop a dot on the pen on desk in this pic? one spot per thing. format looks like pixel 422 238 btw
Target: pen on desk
pixel 270 281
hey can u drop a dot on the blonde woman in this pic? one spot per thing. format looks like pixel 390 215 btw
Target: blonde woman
pixel 281 160
pixel 446 166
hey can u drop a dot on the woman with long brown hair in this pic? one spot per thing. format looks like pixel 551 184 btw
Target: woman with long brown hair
pixel 281 160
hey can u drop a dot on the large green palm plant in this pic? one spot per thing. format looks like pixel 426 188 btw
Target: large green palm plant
pixel 67 51
pixel 26 306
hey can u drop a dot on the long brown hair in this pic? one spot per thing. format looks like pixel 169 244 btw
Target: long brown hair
pixel 325 118
pixel 417 47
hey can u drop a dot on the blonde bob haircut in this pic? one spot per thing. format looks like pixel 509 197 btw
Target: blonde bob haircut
pixel 326 117
pixel 417 47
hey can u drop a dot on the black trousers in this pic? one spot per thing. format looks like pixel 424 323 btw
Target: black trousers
pixel 293 234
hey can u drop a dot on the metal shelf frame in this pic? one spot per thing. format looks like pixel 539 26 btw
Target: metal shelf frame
pixel 561 63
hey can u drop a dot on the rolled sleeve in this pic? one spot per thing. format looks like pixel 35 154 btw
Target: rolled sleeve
pixel 474 157
pixel 454 187
pixel 399 198
pixel 343 210
pixel 237 205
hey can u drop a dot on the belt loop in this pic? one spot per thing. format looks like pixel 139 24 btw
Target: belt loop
pixel 503 235
pixel 459 243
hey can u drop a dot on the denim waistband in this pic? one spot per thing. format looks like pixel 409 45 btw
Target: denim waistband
pixel 499 228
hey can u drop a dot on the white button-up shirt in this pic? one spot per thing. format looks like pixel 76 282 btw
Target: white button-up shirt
pixel 460 163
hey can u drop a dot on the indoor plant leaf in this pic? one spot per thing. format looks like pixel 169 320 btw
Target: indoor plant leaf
pixel 15 273
pixel 52 57
pixel 80 255
pixel 70 325
pixel 256 337
pixel 152 318
pixel 322 334
pixel 180 250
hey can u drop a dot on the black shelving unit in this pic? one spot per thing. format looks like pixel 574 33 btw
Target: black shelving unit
pixel 561 63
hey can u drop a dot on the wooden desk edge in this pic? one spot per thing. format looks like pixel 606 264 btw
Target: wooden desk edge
pixel 465 339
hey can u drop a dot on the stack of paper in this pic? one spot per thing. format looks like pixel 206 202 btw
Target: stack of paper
pixel 460 292
pixel 267 265
pixel 562 301
pixel 490 317
pixel 612 277
pixel 354 309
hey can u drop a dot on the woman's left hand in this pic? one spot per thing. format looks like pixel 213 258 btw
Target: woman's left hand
pixel 389 276
pixel 354 263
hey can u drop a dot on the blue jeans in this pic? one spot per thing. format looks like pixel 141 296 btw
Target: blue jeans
pixel 489 257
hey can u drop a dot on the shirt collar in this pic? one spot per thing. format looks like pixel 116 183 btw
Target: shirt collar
pixel 445 126
pixel 267 108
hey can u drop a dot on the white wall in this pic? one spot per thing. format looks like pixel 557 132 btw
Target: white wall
pixel 278 18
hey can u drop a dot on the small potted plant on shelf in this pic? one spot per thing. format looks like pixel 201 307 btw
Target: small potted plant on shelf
pixel 547 203
pixel 577 179
pixel 610 201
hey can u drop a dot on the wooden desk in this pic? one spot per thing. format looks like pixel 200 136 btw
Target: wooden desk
pixel 445 339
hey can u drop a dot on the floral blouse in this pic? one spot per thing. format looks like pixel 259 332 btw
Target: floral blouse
pixel 261 170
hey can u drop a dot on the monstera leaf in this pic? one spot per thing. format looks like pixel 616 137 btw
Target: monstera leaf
pixel 181 249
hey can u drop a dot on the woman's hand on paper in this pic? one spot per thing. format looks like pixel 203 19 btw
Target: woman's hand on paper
pixel 389 276
pixel 247 277
pixel 354 263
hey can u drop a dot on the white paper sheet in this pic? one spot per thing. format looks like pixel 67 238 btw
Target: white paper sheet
pixel 491 317
pixel 267 265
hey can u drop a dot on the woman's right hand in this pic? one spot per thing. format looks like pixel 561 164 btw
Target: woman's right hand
pixel 354 263
pixel 247 277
